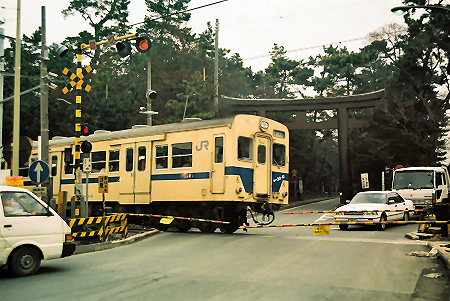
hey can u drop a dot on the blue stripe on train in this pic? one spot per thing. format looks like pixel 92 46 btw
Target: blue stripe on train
pixel 246 175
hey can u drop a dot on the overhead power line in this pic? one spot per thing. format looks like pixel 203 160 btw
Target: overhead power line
pixel 307 48
pixel 180 12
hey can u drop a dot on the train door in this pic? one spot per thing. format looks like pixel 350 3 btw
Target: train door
pixel 218 168
pixel 262 166
pixel 135 182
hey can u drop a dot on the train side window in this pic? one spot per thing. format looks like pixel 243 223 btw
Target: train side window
pixel 182 155
pixel 114 160
pixel 245 147
pixel 98 161
pixel 162 154
pixel 261 154
pixel 54 165
pixel 129 160
pixel 218 150
pixel 279 154
pixel 141 158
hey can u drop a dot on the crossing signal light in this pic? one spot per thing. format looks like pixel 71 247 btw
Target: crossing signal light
pixel 143 44
pixel 123 48
pixel 86 147
pixel 84 130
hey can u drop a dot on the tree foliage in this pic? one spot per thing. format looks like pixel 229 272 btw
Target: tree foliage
pixel 411 63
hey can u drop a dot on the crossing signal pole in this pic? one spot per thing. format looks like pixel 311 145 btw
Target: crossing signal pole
pixel 123 46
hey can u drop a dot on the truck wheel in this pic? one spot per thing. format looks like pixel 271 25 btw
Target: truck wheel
pixel 25 261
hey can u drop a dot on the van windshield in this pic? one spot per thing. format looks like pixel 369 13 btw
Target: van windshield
pixel 415 179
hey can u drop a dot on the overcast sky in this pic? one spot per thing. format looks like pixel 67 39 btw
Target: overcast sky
pixel 247 27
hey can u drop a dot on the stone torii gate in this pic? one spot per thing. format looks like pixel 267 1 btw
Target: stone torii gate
pixel 300 106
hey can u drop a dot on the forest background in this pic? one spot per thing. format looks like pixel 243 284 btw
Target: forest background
pixel 408 126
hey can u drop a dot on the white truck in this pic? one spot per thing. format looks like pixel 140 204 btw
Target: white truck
pixel 424 186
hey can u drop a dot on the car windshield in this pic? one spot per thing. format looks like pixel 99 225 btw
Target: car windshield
pixel 363 198
pixel 417 179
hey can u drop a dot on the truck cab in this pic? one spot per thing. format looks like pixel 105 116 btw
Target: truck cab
pixel 424 186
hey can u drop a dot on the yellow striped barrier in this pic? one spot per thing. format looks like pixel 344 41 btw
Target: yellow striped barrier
pixel 102 222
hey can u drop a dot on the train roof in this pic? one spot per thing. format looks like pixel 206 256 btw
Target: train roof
pixel 142 130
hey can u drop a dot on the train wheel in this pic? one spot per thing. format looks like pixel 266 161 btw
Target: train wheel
pixel 184 226
pixel 207 227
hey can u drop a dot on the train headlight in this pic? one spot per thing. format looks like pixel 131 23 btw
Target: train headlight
pixel 238 190
pixel 264 125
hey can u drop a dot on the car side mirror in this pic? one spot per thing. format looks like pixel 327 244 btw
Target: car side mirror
pixel 390 201
pixel 347 201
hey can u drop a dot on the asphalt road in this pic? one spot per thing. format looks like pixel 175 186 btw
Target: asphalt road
pixel 261 264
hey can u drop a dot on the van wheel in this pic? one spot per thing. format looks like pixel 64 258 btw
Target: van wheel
pixel 25 261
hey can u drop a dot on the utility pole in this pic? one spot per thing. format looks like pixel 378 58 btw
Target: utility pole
pixel 216 68
pixel 44 102
pixel 2 68
pixel 149 87
pixel 16 126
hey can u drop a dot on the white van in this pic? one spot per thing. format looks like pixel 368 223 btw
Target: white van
pixel 30 231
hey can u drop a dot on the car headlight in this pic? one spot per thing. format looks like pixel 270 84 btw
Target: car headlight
pixel 339 213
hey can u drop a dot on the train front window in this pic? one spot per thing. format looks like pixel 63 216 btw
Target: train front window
pixel 279 154
pixel 113 160
pixel 245 147
pixel 162 153
pixel 261 154
pixel 98 161
pixel 182 155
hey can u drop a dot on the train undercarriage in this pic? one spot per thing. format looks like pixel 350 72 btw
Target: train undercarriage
pixel 236 214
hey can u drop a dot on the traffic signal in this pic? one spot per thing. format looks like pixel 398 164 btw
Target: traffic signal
pixel 123 48
pixel 86 147
pixel 143 44
pixel 84 130
pixel 151 94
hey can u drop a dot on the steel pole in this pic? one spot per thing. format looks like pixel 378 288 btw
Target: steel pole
pixel 16 126
pixel 44 103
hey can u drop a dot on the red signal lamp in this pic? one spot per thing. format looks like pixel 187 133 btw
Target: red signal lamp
pixel 143 44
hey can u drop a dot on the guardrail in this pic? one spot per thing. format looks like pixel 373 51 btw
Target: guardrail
pixel 104 226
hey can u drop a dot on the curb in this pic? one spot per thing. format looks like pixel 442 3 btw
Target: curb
pixel 443 250
pixel 81 249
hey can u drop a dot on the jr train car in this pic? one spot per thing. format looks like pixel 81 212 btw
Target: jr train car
pixel 212 169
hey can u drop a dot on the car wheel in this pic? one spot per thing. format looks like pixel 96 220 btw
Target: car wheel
pixel 343 227
pixel 382 227
pixel 25 261
pixel 406 216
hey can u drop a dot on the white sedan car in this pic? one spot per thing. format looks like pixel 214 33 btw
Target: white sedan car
pixel 374 206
